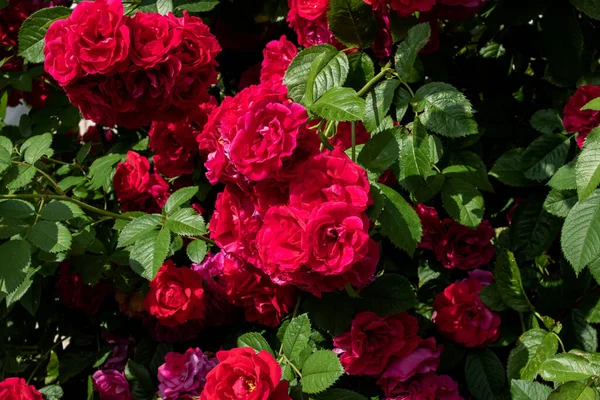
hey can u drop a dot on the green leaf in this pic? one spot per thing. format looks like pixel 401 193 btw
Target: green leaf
pixel 186 222
pixel 33 30
pixel 16 258
pixel 380 151
pixel 564 178
pixel 21 290
pixel 524 390
pixel 490 296
pixel 407 52
pixel 352 22
pixel 164 6
pixel 560 202
pixel 255 341
pixel 333 312
pixel 179 198
pixel 101 171
pixel 195 5
pixel 327 71
pixel 149 253
pixel 492 50
pixel 533 348
pixel 142 387
pixel 399 221
pixel 196 251
pixel 388 294
pixel 567 367
pixel 70 181
pixel 32 298
pixel 361 70
pixel 378 103
pixel 5 159
pixel 587 166
pixel 581 335
pixel 592 105
pixel 463 202
pixel 444 110
pixel 508 279
pixel 52 392
pixel 83 153
pixel 339 104
pixel 23 174
pixel 137 229
pixel 296 76
pixel 547 121
pixel 573 391
pixel 49 236
pixel 36 147
pixel 588 7
pixel 320 371
pixel 467 166
pixel 508 169
pixel 533 229
pixel 485 375
pixel 60 211
pixel 545 156
pixel 15 208
pixel 580 237
pixel 340 394
pixel 401 100
pixel 296 336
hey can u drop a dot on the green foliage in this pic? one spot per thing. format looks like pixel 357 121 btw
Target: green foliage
pixel 524 390
pixel 31 34
pixel 321 370
pixel 353 22
pixel 580 237
pixel 485 375
pixel 463 202
pixel 406 55
pixel 399 221
pixel 566 367
pixel 339 104
pixel 389 294
pixel 533 348
pixel 510 285
pixel 587 166
pixel 256 341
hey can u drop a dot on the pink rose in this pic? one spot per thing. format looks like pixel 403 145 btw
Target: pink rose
pixel 277 57
pixel 111 385
pixel 183 376
pixel 425 358
pixel 60 62
pixel 424 387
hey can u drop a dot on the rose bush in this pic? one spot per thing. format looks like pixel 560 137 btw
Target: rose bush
pixel 299 199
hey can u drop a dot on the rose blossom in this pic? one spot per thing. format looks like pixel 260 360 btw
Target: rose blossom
pixel 245 375
pixel 424 358
pixel 120 353
pixel 343 135
pixel 423 387
pixel 465 248
pixel 183 376
pixel 311 31
pixel 17 389
pixel 59 61
pixel 73 292
pixel 99 36
pixel 263 301
pixel 176 295
pixel 174 147
pixel 407 7
pixel 277 57
pixel 372 340
pixel 136 188
pixel 582 121
pixel 460 314
pixel 153 36
pixel 111 385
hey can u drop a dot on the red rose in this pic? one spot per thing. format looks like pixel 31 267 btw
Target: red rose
pixel 310 9
pixel 432 227
pixel 174 147
pixel 235 222
pixel 423 359
pixel 384 42
pixel 582 121
pixel 176 295
pixel 330 176
pixel 424 387
pixel 99 37
pixel 465 248
pixel 17 389
pixel 407 7
pixel 460 314
pixel 152 38
pixel 59 60
pixel 277 57
pixel 73 292
pixel 372 341
pixel 136 188
pixel 310 32
pixel 245 375
pixel 264 301
pixel 343 135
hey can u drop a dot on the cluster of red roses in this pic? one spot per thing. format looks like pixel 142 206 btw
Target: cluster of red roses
pixel 309 19
pixel 129 71
pixel 389 348
pixel 582 121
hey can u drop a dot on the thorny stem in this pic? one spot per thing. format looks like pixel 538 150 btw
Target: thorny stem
pixel 375 79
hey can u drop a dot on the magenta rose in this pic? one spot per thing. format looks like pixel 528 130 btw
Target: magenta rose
pixel 183 376
pixel 423 387
pixel 372 341
pixel 582 121
pixel 111 385
pixel 423 359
